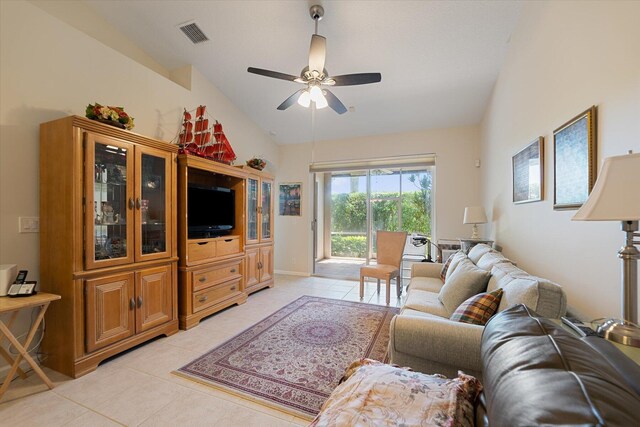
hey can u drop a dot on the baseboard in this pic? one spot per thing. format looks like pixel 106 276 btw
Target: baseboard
pixel 292 273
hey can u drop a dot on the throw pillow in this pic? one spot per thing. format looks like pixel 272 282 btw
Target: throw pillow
pixel 467 280
pixel 445 266
pixel 477 251
pixel 457 257
pixel 478 309
pixel 376 394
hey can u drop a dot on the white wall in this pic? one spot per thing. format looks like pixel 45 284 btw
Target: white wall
pixel 563 58
pixel 49 70
pixel 457 182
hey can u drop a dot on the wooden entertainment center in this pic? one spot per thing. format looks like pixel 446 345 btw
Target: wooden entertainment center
pixel 217 272
pixel 115 242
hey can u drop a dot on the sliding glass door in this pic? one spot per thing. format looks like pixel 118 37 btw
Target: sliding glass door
pixel 357 203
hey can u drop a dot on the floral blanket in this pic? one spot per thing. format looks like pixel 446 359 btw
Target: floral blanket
pixel 377 394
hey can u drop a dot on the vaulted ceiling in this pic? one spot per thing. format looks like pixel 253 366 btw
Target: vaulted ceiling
pixel 439 59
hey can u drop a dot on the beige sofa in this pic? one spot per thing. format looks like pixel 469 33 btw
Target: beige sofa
pixel 422 336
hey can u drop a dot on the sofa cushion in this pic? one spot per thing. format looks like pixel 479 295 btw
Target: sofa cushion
pixel 491 258
pixel 477 251
pixel 503 273
pixel 445 267
pixel 422 283
pixel 455 260
pixel 544 297
pixel 426 302
pixel 376 394
pixel 478 309
pixel 466 280
pixel 536 373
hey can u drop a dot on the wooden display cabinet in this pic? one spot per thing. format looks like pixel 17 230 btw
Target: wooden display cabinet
pixel 259 230
pixel 108 241
pixel 211 268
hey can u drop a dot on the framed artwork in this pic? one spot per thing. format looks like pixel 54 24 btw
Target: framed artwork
pixel 528 173
pixel 290 199
pixel 574 160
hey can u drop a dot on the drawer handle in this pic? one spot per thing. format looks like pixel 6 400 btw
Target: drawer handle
pixel 202 279
pixel 202 243
pixel 131 204
pixel 203 298
pixel 228 240
pixel 132 304
pixel 139 302
pixel 138 204
pixel 259 265
pixel 233 288
pixel 233 270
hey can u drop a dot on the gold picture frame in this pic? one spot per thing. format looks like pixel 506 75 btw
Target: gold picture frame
pixel 574 160
pixel 528 173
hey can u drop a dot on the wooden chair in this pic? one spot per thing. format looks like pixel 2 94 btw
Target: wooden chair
pixel 390 249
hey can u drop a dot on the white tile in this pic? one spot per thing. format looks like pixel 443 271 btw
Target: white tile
pixel 92 419
pixel 41 409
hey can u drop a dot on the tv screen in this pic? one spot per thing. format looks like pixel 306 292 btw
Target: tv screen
pixel 210 211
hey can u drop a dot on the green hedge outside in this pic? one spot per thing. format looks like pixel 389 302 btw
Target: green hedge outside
pixel 348 246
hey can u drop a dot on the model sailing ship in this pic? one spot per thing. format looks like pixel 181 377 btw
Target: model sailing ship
pixel 200 138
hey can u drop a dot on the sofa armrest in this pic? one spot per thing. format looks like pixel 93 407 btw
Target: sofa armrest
pixel 437 339
pixel 426 269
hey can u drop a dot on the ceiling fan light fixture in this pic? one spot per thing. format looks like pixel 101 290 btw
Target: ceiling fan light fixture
pixel 316 93
pixel 321 102
pixel 305 99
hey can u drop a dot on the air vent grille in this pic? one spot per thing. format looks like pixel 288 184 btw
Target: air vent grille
pixel 194 33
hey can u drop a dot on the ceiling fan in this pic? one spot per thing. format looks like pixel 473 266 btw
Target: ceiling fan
pixel 315 77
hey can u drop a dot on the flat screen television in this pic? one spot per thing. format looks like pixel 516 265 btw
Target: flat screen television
pixel 210 211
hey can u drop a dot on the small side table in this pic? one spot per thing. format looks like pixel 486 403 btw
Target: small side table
pixel 13 306
pixel 467 243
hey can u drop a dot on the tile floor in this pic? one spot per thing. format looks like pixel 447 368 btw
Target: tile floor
pixel 137 388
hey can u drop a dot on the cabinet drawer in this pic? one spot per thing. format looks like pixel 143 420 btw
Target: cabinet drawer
pixel 197 251
pixel 212 276
pixel 227 246
pixel 215 294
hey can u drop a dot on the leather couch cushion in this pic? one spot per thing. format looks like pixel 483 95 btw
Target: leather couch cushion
pixel 536 373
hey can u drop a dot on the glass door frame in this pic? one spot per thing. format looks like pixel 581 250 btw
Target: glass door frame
pixel 370 255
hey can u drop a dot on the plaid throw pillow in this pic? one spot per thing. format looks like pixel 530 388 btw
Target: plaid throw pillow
pixel 478 309
pixel 445 266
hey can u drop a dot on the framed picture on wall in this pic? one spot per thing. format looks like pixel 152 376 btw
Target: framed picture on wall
pixel 290 197
pixel 574 160
pixel 528 173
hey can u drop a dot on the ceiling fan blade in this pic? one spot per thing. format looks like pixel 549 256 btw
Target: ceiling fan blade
pixel 317 53
pixel 334 102
pixel 357 79
pixel 274 74
pixel 291 100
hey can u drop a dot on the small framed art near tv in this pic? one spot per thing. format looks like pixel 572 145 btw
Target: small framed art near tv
pixel 574 160
pixel 528 172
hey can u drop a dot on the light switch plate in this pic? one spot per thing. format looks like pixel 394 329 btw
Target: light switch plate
pixel 29 224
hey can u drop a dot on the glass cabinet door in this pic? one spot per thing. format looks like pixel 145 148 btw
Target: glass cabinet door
pixel 266 211
pixel 252 209
pixel 152 196
pixel 108 202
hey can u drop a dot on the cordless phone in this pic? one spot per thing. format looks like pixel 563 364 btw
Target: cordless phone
pixel 21 287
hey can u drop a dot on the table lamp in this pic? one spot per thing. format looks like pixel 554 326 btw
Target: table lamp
pixel 474 215
pixel 616 197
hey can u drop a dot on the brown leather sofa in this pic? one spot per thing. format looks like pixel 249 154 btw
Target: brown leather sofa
pixel 537 373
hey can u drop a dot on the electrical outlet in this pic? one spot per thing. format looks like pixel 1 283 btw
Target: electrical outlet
pixel 29 224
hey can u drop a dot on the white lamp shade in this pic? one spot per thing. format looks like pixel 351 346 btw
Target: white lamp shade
pixel 616 193
pixel 474 215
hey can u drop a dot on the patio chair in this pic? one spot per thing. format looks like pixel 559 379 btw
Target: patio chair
pixel 390 248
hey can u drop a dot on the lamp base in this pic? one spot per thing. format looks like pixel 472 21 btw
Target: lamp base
pixel 620 331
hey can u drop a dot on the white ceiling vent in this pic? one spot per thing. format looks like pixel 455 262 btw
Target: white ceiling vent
pixel 193 32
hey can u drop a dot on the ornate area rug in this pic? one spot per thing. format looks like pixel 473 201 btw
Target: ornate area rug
pixel 293 359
